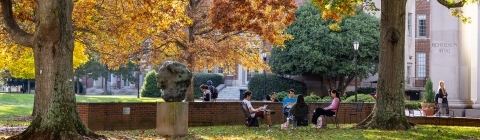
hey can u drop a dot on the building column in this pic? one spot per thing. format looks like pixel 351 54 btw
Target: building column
pixel 475 94
pixel 468 60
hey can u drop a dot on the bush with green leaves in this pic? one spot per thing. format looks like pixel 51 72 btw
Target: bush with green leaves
pixel 361 90
pixel 202 78
pixel 360 97
pixel 274 83
pixel 326 99
pixel 149 88
pixel 281 95
pixel 429 95
pixel 412 105
pixel 312 98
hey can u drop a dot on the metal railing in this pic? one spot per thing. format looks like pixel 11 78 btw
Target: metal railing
pixel 416 81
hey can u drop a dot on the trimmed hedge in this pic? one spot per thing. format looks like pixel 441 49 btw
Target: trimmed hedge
pixel 360 97
pixel 149 88
pixel 274 84
pixel 202 78
pixel 362 90
pixel 312 98
pixel 412 105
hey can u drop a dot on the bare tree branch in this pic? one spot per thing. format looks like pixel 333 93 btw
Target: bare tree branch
pixel 18 35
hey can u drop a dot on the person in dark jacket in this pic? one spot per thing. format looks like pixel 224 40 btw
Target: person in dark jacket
pixel 273 97
pixel 207 95
pixel 442 97
pixel 299 108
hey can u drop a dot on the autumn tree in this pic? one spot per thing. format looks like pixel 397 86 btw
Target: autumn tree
pixel 207 43
pixel 52 44
pixel 52 40
pixel 389 111
pixel 317 51
pixel 199 39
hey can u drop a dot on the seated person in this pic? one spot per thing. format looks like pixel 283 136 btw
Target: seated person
pixel 330 110
pixel 207 95
pixel 256 112
pixel 290 99
pixel 300 108
pixel 273 97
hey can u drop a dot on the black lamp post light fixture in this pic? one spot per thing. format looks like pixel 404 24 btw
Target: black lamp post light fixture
pixel 264 56
pixel 356 44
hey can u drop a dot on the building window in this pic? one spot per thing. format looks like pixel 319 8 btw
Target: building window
pixel 126 83
pixel 421 64
pixel 422 25
pixel 250 74
pixel 219 69
pixel 408 74
pixel 409 24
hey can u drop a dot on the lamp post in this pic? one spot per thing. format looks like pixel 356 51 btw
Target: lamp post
pixel 138 82
pixel 355 46
pixel 264 55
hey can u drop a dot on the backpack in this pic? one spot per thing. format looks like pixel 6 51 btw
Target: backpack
pixel 214 91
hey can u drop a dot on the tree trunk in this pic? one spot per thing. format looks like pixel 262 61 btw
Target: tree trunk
pixel 389 111
pixel 28 86
pixel 191 39
pixel 190 92
pixel 341 85
pixel 55 106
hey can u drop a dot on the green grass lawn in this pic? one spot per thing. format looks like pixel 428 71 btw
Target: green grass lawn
pixel 421 132
pixel 426 132
pixel 16 105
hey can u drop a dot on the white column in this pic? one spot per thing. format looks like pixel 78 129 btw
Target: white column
pixel 475 66
pixel 467 60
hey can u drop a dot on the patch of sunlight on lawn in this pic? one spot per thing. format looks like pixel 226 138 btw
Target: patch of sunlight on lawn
pixel 16 99
pixel 9 111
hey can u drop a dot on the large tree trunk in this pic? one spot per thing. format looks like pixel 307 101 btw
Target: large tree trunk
pixel 389 111
pixel 336 83
pixel 55 106
pixel 191 40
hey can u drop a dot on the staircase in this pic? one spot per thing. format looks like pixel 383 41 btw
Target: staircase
pixel 231 93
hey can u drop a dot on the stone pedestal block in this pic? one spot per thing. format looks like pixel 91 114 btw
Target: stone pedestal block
pixel 172 118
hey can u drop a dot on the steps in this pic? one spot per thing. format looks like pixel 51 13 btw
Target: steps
pixel 230 93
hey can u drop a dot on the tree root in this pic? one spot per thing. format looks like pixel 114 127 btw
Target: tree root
pixel 373 121
pixel 36 131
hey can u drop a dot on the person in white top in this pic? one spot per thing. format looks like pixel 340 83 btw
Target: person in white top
pixel 256 112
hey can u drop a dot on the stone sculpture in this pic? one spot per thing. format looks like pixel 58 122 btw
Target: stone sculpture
pixel 174 79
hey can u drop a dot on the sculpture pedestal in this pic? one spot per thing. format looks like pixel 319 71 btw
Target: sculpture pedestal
pixel 172 118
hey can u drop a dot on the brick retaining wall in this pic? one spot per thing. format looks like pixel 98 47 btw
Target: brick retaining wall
pixel 109 116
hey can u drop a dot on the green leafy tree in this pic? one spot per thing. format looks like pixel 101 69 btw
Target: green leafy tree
pixel 320 52
pixel 149 88
pixel 389 111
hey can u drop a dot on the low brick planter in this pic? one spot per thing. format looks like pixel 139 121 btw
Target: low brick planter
pixel 131 116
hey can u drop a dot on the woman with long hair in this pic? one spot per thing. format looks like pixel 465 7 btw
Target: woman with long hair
pixel 327 111
pixel 299 109
pixel 442 97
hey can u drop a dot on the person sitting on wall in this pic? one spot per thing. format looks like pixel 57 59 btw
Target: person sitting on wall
pixel 257 112
pixel 290 100
pixel 273 97
pixel 207 95
pixel 327 111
